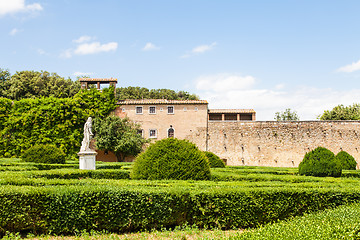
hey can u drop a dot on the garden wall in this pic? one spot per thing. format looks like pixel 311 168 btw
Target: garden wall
pixel 279 144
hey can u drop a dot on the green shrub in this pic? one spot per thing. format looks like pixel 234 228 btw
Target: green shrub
pixel 44 154
pixel 347 161
pixel 171 158
pixel 214 160
pixel 320 162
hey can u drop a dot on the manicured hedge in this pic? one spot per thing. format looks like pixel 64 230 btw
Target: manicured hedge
pixel 67 209
pixel 44 153
pixel 171 158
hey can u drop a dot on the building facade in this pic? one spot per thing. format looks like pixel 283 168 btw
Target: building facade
pixel 234 135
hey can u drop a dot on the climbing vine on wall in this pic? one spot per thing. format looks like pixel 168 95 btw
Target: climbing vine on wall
pixel 58 121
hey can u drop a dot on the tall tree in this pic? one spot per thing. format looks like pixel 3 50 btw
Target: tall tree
pixel 287 115
pixel 4 78
pixel 144 93
pixel 119 136
pixel 33 84
pixel 341 112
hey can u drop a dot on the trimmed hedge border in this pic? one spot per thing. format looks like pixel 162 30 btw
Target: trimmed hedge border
pixel 67 209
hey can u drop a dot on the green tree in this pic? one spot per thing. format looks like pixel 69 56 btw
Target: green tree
pixel 33 84
pixel 144 93
pixel 119 136
pixel 341 112
pixel 4 78
pixel 287 115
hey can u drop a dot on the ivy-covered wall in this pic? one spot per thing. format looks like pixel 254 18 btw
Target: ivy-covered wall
pixel 58 121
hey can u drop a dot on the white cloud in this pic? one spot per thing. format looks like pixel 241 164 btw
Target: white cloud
pixel 84 47
pixel 203 48
pixel 15 6
pixel 199 49
pixel 83 39
pixel 307 101
pixel 355 66
pixel 95 47
pixel 41 51
pixel 82 73
pixel 150 46
pixel 224 82
pixel 14 31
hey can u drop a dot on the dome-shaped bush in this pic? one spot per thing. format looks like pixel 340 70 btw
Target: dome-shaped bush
pixel 348 162
pixel 320 162
pixel 214 160
pixel 171 158
pixel 44 154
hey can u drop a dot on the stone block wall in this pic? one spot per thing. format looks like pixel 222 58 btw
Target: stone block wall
pixel 279 144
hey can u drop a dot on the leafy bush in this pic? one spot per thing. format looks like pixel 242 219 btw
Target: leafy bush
pixel 114 209
pixel 320 162
pixel 171 158
pixel 347 161
pixel 44 154
pixel 214 160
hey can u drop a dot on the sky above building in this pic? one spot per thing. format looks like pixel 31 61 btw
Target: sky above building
pixel 260 54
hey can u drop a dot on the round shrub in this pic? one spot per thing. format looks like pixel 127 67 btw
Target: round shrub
pixel 348 162
pixel 214 160
pixel 320 162
pixel 171 158
pixel 44 154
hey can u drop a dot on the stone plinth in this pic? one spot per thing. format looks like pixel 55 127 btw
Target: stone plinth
pixel 87 160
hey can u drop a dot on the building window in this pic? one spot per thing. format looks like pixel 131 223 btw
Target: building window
pixel 139 110
pixel 152 110
pixel 123 109
pixel 153 133
pixel 171 132
pixel 140 132
pixel 185 109
pixel 170 109
pixel 196 109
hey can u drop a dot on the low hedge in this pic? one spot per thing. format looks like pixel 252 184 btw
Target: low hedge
pixel 78 174
pixel 68 209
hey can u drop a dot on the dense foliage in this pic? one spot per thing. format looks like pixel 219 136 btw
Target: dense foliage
pixel 144 93
pixel 214 160
pixel 342 112
pixel 4 78
pixel 44 153
pixel 66 201
pixel 320 162
pixel 50 120
pixel 33 84
pixel 287 115
pixel 348 162
pixel 119 136
pixel 172 158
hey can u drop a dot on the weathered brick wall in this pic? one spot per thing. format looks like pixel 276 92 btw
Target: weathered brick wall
pixel 282 144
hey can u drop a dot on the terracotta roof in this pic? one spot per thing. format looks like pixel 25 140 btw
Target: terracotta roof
pixel 232 111
pixel 98 80
pixel 159 101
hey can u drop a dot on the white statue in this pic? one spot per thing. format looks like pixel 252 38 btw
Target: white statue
pixel 85 145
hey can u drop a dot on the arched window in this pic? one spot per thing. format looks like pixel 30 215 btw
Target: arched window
pixel 171 132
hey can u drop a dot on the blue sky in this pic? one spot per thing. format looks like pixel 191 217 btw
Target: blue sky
pixel 260 54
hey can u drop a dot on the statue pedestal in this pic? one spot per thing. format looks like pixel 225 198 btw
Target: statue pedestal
pixel 87 160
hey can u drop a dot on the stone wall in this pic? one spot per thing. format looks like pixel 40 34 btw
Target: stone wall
pixel 279 144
